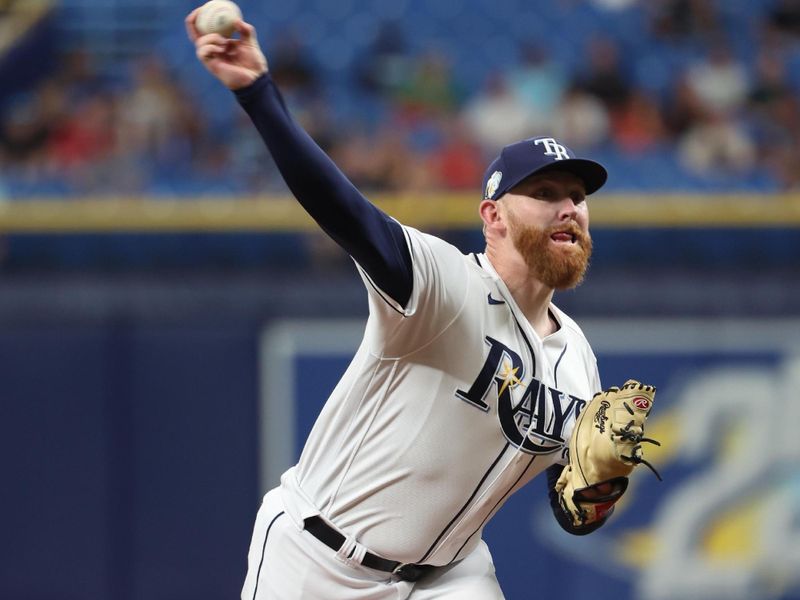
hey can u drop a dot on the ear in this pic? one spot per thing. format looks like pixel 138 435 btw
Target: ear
pixel 490 214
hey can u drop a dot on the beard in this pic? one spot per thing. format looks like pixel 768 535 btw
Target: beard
pixel 560 267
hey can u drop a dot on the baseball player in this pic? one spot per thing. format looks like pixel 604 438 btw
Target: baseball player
pixel 466 386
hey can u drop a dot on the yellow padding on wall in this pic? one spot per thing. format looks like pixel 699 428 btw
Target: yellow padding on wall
pixel 446 211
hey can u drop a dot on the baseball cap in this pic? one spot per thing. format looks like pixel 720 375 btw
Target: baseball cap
pixel 536 155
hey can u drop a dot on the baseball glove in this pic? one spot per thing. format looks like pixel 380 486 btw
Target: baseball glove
pixel 605 446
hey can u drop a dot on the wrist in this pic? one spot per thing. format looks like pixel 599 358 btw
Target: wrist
pixel 253 87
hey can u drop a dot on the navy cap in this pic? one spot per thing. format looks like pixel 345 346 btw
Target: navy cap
pixel 536 155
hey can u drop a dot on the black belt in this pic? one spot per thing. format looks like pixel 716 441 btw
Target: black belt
pixel 334 540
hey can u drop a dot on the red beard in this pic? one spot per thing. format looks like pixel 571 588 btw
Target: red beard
pixel 560 267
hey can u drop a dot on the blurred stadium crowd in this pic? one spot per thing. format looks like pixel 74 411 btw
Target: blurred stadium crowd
pixel 686 95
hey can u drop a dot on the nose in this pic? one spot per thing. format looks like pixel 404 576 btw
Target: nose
pixel 568 210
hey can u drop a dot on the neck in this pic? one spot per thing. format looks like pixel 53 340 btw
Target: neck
pixel 531 295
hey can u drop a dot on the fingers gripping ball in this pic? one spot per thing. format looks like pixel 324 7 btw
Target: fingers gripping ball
pixel 605 446
pixel 218 16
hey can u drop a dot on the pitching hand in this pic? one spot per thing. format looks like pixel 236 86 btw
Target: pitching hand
pixel 235 62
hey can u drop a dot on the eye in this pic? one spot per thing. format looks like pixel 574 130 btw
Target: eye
pixel 542 192
pixel 577 197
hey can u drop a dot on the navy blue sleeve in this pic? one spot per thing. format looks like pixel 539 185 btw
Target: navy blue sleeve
pixel 563 518
pixel 370 236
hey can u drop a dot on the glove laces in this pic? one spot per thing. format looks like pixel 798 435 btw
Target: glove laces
pixel 629 434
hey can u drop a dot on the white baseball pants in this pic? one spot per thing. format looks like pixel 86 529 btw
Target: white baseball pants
pixel 286 562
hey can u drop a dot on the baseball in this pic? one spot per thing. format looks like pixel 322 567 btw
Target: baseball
pixel 218 16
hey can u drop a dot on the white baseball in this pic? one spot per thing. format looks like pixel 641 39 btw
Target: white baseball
pixel 218 16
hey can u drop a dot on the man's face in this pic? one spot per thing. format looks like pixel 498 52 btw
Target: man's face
pixel 548 221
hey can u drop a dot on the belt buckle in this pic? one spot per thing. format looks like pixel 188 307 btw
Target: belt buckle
pixel 398 570
pixel 408 572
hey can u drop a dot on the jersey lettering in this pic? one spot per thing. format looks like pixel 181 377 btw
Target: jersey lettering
pixel 526 424
pixel 534 422
pixel 500 357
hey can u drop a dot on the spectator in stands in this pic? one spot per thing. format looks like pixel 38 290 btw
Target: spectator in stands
pixel 496 114
pixel 604 76
pixel 82 146
pixel 43 136
pixel 771 85
pixel 386 63
pixel 297 73
pixel 718 147
pixel 163 140
pixel 581 120
pixel 785 17
pixel 382 160
pixel 430 89
pixel 25 130
pixel 154 113
pixel 775 119
pixel 292 66
pixel 682 108
pixel 458 162
pixel 539 82
pixel 679 19
pixel 250 169
pixel 78 77
pixel 151 133
pixel 718 79
pixel 637 125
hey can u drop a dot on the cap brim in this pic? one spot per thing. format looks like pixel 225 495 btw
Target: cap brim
pixel 593 175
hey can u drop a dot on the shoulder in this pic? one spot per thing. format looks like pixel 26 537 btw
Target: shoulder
pixel 432 249
pixel 428 240
pixel 441 276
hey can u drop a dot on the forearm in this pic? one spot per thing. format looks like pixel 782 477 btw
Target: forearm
pixel 371 237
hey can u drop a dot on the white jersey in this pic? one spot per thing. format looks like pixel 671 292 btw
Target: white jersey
pixel 449 405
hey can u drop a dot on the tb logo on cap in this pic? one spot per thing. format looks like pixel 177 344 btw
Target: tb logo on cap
pixel 552 148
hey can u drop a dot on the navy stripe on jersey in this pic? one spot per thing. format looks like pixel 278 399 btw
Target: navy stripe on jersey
pixel 381 295
pixel 555 368
pixel 525 470
pixel 466 504
pixel 553 472
pixel 375 240
pixel 263 548
pixel 494 508
pixel 380 292
pixel 527 343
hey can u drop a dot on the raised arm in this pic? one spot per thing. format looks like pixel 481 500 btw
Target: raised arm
pixel 371 237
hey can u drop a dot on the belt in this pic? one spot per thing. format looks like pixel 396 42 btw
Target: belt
pixel 334 540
